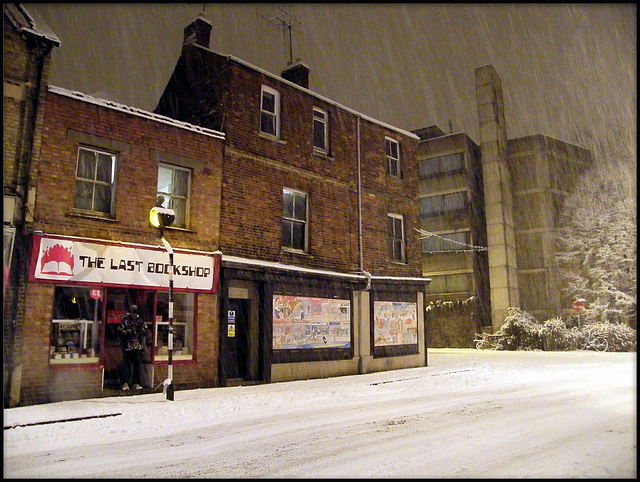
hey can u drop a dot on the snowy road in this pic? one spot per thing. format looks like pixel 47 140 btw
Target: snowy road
pixel 468 414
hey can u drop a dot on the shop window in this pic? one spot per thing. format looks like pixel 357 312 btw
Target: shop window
pixel 270 111
pixel 294 220
pixel 392 150
pixel 75 326
pixel 395 323
pixel 95 181
pixel 303 322
pixel 183 315
pixel 173 191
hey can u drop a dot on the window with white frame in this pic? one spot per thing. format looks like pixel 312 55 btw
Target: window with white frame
pixel 320 129
pixel 270 111
pixel 294 219
pixel 95 181
pixel 173 191
pixel 396 237
pixel 392 149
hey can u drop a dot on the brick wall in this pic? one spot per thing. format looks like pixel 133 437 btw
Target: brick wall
pixel 257 168
pixel 137 174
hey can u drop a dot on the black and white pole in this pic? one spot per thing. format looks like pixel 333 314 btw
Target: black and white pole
pixel 168 383
pixel 161 218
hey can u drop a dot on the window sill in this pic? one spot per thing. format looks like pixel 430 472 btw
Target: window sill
pixel 161 358
pixel 88 215
pixel 269 137
pixel 73 361
pixel 323 154
pixel 295 251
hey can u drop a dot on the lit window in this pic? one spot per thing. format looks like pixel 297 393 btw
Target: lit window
pixel 396 237
pixel 173 187
pixel 95 181
pixel 392 149
pixel 75 326
pixel 320 129
pixel 294 220
pixel 183 314
pixel 270 111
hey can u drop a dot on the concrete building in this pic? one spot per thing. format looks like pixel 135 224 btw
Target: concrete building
pixel 489 215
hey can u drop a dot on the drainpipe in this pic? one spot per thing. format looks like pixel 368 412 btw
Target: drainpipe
pixel 360 244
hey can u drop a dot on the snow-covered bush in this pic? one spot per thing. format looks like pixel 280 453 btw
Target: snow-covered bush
pixel 521 331
pixel 557 337
pixel 619 336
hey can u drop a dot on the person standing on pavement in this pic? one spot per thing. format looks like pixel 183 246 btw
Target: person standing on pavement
pixel 133 333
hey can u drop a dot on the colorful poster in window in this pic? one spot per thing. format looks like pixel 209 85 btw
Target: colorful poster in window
pixel 303 322
pixel 395 323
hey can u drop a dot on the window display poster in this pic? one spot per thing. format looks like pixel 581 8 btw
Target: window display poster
pixel 306 322
pixel 396 323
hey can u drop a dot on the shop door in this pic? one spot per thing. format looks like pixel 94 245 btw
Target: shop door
pixel 235 354
pixel 118 302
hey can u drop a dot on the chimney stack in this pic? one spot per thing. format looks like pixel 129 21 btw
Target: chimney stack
pixel 297 72
pixel 199 31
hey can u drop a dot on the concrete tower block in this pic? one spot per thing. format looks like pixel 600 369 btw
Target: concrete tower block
pixel 498 193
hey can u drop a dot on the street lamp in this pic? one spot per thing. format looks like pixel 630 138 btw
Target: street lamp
pixel 161 218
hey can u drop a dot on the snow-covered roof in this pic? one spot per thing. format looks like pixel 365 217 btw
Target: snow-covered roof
pixel 30 22
pixel 310 92
pixel 135 111
pixel 318 96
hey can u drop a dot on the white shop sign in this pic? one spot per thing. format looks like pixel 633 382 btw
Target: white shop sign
pixel 60 259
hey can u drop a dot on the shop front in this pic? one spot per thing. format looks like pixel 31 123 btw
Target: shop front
pixel 282 323
pixel 86 286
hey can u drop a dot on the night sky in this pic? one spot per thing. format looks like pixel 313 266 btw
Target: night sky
pixel 568 70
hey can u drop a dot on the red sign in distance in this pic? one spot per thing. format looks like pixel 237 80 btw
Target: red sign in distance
pixel 95 293
pixel 578 305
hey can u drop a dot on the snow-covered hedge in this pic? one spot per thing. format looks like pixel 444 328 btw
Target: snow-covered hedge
pixel 521 331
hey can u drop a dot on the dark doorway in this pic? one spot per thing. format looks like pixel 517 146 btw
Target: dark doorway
pixel 118 302
pixel 235 339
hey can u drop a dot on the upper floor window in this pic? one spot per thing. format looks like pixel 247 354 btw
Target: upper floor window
pixel 395 224
pixel 320 129
pixel 446 242
pixel 294 219
pixel 173 187
pixel 441 165
pixel 392 149
pixel 95 181
pixel 442 204
pixel 270 111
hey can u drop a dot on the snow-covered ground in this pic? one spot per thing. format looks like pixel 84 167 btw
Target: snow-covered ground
pixel 468 414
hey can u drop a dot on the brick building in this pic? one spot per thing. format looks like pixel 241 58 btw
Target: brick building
pixel 26 61
pixel 294 242
pixel 317 217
